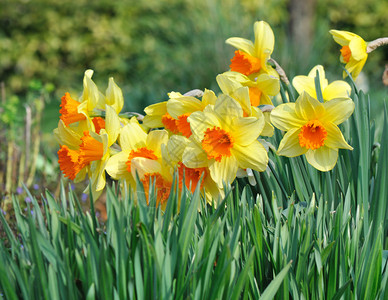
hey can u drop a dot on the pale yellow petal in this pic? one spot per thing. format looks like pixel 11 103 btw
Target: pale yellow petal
pixel 183 105
pixel 308 108
pixel 208 98
pixel 304 83
pixel 253 156
pixel 154 121
pixel 284 117
pixel 91 94
pixel 227 84
pixel 200 121
pixel 224 171
pixel 117 167
pixel 66 136
pixel 132 137
pixel 358 48
pixel 142 166
pixel 227 109
pixel 242 44
pixel 241 95
pixel 269 85
pixel 337 110
pixel 112 124
pixel 268 129
pixel 114 96
pixel 176 145
pixel 334 138
pixel 194 156
pixel 155 139
pixel 264 39
pixel 246 130
pixel 337 89
pixel 323 159
pixel 156 109
pixel 342 37
pixel 289 146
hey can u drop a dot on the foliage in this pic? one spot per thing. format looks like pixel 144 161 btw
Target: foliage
pixel 298 233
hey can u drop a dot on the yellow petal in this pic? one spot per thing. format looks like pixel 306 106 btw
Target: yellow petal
pixel 141 166
pixel 117 167
pixel 91 94
pixel 253 156
pixel 337 89
pixel 183 105
pixel 334 138
pixel 200 121
pixel 66 136
pixel 153 121
pixel 358 48
pixel 264 39
pixel 227 109
pixel 289 145
pixel 308 108
pixel 269 85
pixel 342 37
pixel 268 129
pixel 112 124
pixel 337 110
pixel 284 117
pixel 114 96
pixel 227 84
pixel 242 44
pixel 323 159
pixel 194 156
pixel 132 137
pixel 208 98
pixel 176 145
pixel 304 83
pixel 155 139
pixel 224 171
pixel 246 130
pixel 156 109
pixel 241 95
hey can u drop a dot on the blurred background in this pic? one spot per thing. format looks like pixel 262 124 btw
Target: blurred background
pixel 151 48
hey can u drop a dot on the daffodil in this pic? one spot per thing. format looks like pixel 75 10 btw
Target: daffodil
pixel 261 89
pixel 85 111
pixel 172 154
pixel 135 142
pixel 353 52
pixel 336 89
pixel 242 94
pixel 88 152
pixel 224 140
pixel 172 114
pixel 312 129
pixel 251 57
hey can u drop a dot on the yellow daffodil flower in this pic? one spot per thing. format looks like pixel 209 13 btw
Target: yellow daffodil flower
pixel 353 52
pixel 134 142
pixel 224 140
pixel 336 89
pixel 87 152
pixel 312 129
pixel 251 57
pixel 242 94
pixel 91 102
pixel 173 155
pixel 261 89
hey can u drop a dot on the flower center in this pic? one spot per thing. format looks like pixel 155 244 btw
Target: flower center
pixel 312 135
pixel 244 63
pixel 69 162
pixel 99 123
pixel 255 96
pixel 192 175
pixel 140 152
pixel 69 110
pixel 183 125
pixel 162 187
pixel 217 143
pixel 90 149
pixel 170 123
pixel 346 53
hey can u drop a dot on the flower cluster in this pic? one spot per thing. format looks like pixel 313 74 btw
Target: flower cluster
pixel 204 138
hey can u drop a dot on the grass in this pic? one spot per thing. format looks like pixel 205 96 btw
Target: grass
pixel 298 233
